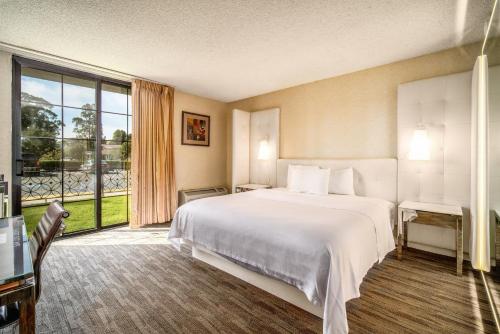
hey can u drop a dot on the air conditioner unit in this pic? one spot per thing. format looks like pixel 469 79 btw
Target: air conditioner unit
pixel 194 194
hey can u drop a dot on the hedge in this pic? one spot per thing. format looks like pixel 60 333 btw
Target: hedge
pixel 118 164
pixel 55 165
pixel 72 165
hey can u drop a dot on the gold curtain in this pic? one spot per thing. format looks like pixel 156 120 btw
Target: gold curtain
pixel 154 198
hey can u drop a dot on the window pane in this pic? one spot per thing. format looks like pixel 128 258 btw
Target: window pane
pixel 79 93
pixel 114 153
pixel 40 121
pixel 129 97
pixel 79 154
pixel 32 214
pixel 41 180
pixel 79 183
pixel 114 98
pixel 114 210
pixel 114 127
pixel 126 156
pixel 129 200
pixel 40 86
pixel 82 214
pixel 114 182
pixel 37 151
pixel 79 123
pixel 130 127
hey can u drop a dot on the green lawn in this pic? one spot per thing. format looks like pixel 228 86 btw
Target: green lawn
pixel 114 211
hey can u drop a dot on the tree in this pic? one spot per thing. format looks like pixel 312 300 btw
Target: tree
pixel 85 125
pixel 77 149
pixel 40 126
pixel 85 128
pixel 125 150
pixel 119 136
pixel 122 137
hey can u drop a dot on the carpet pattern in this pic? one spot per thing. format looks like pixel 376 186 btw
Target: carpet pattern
pixel 152 288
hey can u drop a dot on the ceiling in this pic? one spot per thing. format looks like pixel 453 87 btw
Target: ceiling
pixel 229 50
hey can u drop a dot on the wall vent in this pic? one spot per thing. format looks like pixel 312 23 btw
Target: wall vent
pixel 194 194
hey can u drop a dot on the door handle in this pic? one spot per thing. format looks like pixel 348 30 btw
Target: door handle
pixel 19 167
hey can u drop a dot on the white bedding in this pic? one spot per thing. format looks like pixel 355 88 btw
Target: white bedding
pixel 323 245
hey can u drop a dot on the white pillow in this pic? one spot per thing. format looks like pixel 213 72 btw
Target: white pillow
pixel 343 182
pixel 308 179
pixel 318 181
pixel 297 177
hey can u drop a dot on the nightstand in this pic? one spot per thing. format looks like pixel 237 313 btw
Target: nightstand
pixel 448 216
pixel 248 187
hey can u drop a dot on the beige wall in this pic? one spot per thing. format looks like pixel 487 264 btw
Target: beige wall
pixel 353 115
pixel 199 166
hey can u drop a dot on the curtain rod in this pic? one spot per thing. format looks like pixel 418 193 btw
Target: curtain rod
pixel 22 51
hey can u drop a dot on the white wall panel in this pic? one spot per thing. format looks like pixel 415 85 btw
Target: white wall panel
pixel 264 126
pixel 442 105
pixel 249 129
pixel 241 148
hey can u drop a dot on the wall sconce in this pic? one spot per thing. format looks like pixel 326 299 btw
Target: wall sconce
pixel 420 151
pixel 264 150
pixel 264 155
pixel 420 145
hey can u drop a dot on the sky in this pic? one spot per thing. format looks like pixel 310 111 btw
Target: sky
pixel 76 96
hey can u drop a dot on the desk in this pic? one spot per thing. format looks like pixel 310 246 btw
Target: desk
pixel 17 282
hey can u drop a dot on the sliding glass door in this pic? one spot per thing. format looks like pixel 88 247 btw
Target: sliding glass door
pixel 71 142
pixel 115 152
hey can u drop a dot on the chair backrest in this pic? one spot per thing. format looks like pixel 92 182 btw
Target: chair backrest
pixel 50 225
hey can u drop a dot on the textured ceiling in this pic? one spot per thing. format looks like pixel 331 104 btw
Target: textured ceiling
pixel 229 50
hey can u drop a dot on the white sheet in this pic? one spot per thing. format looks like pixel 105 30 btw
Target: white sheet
pixel 323 245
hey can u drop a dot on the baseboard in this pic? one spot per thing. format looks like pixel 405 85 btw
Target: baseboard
pixel 435 249
pixel 442 251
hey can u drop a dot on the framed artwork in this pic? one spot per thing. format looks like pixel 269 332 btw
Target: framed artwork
pixel 195 129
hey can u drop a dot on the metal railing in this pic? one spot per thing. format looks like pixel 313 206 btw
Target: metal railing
pixel 40 187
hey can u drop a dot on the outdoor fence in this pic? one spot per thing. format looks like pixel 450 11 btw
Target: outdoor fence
pixel 74 185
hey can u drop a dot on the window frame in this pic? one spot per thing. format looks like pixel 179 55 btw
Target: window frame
pixel 18 63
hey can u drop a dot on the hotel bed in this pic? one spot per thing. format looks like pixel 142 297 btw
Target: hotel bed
pixel 321 245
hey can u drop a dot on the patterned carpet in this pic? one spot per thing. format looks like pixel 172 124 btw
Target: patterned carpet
pixel 108 284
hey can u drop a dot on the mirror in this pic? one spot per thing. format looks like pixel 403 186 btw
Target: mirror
pixel 491 48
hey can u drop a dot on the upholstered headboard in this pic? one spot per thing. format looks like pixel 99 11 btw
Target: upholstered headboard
pixel 372 177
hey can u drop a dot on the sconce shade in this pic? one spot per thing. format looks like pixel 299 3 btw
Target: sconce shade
pixel 420 146
pixel 264 151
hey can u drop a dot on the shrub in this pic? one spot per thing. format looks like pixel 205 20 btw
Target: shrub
pixel 50 165
pixel 118 164
pixel 56 165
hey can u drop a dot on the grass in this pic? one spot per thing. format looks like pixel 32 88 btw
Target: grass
pixel 82 214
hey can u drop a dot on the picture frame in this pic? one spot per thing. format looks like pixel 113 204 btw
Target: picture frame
pixel 195 129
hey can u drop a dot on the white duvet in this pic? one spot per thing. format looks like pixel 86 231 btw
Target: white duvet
pixel 323 245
